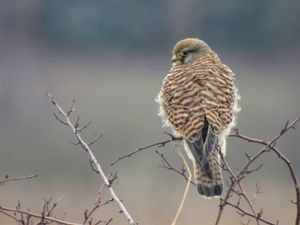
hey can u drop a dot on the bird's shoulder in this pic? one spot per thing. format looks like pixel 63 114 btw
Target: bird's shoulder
pixel 198 74
pixel 204 87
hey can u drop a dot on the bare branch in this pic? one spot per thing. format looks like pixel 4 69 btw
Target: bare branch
pixel 72 109
pixel 167 165
pixel 7 179
pixel 104 222
pixel 84 126
pixel 95 164
pixel 88 214
pixel 268 146
pixel 234 181
pixel 271 146
pixel 60 120
pixel 46 218
pixel 243 212
pixel 157 145
pixel 50 211
pixel 97 138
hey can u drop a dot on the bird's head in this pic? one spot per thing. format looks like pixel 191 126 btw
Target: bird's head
pixel 188 50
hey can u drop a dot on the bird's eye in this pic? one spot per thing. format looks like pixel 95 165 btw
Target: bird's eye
pixel 184 53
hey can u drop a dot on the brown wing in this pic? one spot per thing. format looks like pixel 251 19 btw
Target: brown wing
pixel 193 92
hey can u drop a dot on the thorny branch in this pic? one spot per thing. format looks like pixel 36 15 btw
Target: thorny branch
pixel 47 213
pixel 76 129
pixel 270 146
pixel 235 179
pixel 99 203
pixel 47 216
pixel 235 187
pixel 243 212
pixel 19 216
pixel 48 209
pixel 242 189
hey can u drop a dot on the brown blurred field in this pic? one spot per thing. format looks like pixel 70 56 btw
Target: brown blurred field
pixel 115 89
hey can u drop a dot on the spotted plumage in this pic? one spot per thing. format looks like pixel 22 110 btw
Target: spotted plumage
pixel 198 100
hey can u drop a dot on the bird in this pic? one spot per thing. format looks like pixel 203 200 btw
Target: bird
pixel 198 100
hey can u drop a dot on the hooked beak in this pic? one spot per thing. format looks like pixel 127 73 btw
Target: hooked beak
pixel 175 60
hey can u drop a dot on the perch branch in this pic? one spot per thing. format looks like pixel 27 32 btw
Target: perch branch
pixel 241 174
pixel 157 145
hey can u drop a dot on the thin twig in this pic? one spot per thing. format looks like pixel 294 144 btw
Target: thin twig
pixel 244 194
pixel 3 181
pixel 97 138
pixel 6 209
pixel 50 211
pixel 250 214
pixel 157 145
pixel 88 214
pixel 95 164
pixel 167 165
pixel 267 147
pixel 270 146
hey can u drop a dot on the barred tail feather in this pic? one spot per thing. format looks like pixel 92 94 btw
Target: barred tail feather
pixel 209 186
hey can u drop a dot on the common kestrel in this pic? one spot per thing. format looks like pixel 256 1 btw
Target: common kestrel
pixel 198 100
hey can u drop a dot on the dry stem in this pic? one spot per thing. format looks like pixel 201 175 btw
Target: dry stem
pixel 178 151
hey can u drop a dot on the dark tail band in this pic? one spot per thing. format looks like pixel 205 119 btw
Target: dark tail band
pixel 213 191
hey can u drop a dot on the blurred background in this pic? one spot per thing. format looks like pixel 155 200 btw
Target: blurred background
pixel 111 56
